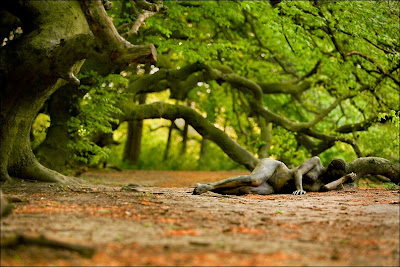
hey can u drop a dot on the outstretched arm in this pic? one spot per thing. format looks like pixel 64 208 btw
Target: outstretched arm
pixel 312 168
pixel 333 185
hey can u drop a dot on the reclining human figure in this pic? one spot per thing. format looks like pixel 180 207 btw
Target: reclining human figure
pixel 272 176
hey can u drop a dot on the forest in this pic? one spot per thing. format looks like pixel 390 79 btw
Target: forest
pixel 138 101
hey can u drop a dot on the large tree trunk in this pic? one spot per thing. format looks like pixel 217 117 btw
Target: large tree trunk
pixel 54 152
pixel 29 75
pixel 58 36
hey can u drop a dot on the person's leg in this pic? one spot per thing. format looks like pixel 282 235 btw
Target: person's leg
pixel 261 173
pixel 263 189
pixel 229 183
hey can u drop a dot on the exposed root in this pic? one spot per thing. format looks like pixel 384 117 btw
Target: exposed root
pixel 4 177
pixel 38 172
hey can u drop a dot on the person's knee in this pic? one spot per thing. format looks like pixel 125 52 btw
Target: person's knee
pixel 248 180
pixel 255 181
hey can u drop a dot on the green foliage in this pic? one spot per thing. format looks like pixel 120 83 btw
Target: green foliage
pixel 298 34
pixel 388 145
pixel 96 115
pixel 39 128
pixel 264 44
pixel 390 186
pixel 285 148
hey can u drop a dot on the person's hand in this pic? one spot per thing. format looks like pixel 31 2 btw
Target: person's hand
pixel 299 192
pixel 352 176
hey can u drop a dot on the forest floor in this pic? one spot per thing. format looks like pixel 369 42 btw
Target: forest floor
pixel 161 223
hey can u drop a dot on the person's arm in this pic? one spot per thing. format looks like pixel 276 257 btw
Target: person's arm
pixel 333 185
pixel 305 167
pixel 298 181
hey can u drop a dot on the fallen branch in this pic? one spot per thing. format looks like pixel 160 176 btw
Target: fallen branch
pixel 375 166
pixel 16 240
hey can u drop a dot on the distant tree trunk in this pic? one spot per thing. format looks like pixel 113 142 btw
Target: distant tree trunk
pixel 266 138
pixel 167 146
pixel 203 151
pixel 198 122
pixel 133 144
pixel 184 139
pixel 185 134
pixel 203 148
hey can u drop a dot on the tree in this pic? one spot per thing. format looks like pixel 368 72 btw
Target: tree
pixel 46 56
pixel 315 79
pixel 301 75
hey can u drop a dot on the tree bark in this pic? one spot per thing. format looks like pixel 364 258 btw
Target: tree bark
pixel 375 166
pixel 28 79
pixel 54 152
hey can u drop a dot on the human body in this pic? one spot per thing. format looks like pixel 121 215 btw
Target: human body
pixel 273 176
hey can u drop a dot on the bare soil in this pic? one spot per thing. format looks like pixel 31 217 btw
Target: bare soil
pixel 159 222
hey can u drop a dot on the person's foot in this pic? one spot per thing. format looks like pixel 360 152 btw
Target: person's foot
pixel 200 189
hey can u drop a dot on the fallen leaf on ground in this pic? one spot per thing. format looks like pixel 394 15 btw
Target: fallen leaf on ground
pixel 181 232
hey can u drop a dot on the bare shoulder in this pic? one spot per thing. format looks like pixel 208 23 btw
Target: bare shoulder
pixel 315 159
pixel 312 164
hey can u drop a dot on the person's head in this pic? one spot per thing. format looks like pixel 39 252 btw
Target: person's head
pixel 335 169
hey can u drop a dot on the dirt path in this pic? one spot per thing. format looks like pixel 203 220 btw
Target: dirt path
pixel 160 225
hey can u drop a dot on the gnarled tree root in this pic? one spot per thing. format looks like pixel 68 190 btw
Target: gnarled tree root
pixel 37 172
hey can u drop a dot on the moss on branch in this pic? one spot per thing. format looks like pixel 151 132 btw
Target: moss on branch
pixel 375 166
